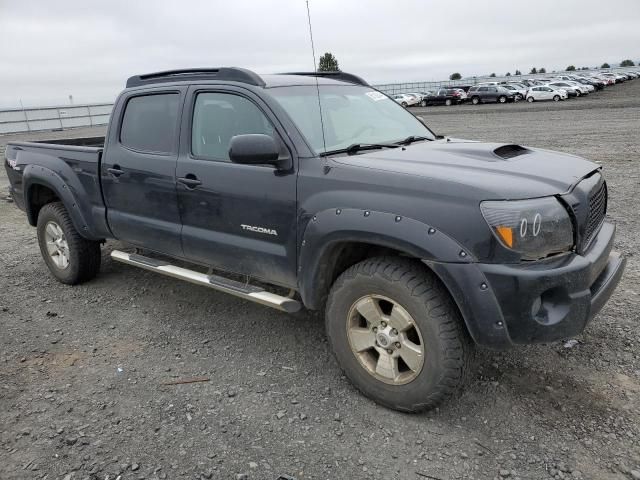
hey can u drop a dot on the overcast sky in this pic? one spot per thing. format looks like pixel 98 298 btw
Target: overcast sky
pixel 50 49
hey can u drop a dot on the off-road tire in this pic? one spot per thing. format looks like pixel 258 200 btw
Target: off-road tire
pixel 84 255
pixel 448 349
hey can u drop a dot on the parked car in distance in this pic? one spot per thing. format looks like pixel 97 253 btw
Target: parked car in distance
pixel 545 92
pixel 414 246
pixel 460 93
pixel 465 88
pixel 405 100
pixel 571 91
pixel 443 96
pixel 596 84
pixel 580 87
pixel 418 96
pixel 520 93
pixel 490 93
pixel 609 80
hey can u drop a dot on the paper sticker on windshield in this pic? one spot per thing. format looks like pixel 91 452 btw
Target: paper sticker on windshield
pixel 376 96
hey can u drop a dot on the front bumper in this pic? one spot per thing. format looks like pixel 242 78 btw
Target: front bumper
pixel 538 302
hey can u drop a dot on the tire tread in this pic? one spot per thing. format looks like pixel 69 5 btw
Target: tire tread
pixel 88 251
pixel 420 282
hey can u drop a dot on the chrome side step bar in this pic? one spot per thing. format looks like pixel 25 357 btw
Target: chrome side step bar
pixel 248 292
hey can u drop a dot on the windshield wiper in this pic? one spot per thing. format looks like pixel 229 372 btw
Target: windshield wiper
pixel 357 147
pixel 412 138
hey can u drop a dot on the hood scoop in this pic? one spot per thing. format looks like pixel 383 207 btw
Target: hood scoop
pixel 510 151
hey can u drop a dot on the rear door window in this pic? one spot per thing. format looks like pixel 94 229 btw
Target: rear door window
pixel 149 123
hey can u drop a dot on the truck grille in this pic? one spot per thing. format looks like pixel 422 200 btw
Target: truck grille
pixel 597 211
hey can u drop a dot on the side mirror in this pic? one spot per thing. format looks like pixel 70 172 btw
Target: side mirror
pixel 254 149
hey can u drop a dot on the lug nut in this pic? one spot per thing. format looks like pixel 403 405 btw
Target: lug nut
pixel 383 324
pixel 394 331
pixel 389 351
pixel 375 329
pixel 397 344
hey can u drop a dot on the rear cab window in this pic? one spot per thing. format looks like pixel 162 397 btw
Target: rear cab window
pixel 149 123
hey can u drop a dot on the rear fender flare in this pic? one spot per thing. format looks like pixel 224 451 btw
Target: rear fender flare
pixel 329 228
pixel 37 175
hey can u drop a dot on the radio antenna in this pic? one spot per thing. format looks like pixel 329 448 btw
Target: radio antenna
pixel 315 69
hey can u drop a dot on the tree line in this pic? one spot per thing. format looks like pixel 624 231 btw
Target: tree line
pixel 534 70
pixel 329 63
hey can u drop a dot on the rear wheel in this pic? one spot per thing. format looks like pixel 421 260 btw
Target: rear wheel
pixel 397 334
pixel 556 98
pixel 448 102
pixel 423 103
pixel 70 257
pixel 475 100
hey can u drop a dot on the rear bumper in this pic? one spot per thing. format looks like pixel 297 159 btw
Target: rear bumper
pixel 534 303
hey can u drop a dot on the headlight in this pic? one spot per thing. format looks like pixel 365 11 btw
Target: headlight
pixel 534 228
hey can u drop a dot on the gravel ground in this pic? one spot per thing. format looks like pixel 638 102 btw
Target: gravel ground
pixel 84 370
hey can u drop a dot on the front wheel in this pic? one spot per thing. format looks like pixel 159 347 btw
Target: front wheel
pixel 502 99
pixel 423 103
pixel 475 100
pixel 448 102
pixel 397 334
pixel 404 104
pixel 70 257
pixel 556 98
pixel 530 99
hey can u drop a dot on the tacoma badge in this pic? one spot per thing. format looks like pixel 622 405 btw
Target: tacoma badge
pixel 268 231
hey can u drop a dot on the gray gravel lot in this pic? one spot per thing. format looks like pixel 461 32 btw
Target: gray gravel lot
pixel 83 370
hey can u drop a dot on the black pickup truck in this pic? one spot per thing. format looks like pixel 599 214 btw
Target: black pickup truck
pixel 317 190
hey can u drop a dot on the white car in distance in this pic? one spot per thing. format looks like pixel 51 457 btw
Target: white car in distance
pixel 584 89
pixel 545 92
pixel 519 92
pixel 405 100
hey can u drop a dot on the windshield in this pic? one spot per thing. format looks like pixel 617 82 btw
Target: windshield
pixel 351 114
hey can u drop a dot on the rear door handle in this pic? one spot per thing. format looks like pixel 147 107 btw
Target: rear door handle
pixel 116 171
pixel 190 181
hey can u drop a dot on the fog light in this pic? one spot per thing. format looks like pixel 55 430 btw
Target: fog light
pixel 551 307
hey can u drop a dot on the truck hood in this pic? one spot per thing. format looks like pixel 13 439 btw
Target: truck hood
pixel 500 171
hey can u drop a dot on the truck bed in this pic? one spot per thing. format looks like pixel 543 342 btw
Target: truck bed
pixel 67 168
pixel 78 142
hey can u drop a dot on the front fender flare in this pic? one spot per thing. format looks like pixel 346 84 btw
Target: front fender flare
pixel 328 228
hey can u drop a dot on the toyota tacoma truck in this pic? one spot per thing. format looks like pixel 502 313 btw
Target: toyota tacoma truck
pixel 316 190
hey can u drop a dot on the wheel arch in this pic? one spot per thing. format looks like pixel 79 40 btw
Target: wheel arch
pixel 336 239
pixel 43 186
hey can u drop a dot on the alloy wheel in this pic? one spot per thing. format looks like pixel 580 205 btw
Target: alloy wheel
pixel 57 246
pixel 385 339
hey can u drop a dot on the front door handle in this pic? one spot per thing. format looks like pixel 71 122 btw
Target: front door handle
pixel 190 181
pixel 116 171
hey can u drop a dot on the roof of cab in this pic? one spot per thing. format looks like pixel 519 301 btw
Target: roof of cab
pixel 242 75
